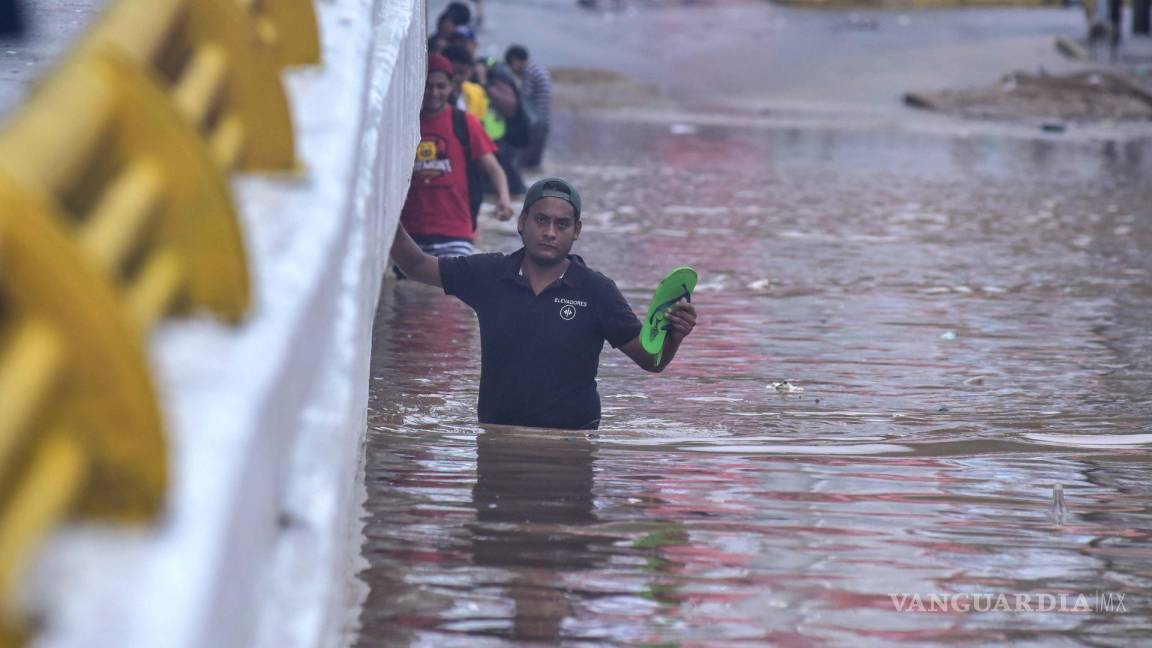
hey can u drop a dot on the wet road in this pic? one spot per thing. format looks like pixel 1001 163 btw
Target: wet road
pixel 967 318
pixel 52 27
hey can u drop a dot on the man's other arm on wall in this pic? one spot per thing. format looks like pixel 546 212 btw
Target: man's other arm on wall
pixel 416 263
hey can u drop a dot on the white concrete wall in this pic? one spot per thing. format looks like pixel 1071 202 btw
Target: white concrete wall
pixel 266 420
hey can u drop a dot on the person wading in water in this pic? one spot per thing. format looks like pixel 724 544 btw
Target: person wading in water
pixel 544 316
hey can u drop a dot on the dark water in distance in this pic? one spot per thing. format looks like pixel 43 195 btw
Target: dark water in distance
pixel 970 327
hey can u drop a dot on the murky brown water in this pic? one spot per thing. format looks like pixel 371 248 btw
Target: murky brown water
pixel 969 322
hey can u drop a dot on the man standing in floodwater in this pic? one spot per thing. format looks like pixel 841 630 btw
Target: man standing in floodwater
pixel 439 209
pixel 544 316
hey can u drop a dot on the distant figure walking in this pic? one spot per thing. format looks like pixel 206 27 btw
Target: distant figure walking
pixel 456 14
pixel 1106 18
pixel 536 85
pixel 453 16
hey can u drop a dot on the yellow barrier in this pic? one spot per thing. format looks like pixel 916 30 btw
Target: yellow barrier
pixel 114 213
pixel 289 27
pixel 225 78
pixel 137 186
pixel 79 429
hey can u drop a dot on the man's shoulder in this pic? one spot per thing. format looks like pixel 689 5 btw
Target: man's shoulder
pixel 486 261
pixel 483 264
pixel 536 69
pixel 481 143
pixel 594 279
pixel 440 118
pixel 489 257
pixel 471 273
pixel 474 123
pixel 614 311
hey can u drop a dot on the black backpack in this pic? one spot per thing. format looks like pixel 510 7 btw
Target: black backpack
pixel 521 126
pixel 473 169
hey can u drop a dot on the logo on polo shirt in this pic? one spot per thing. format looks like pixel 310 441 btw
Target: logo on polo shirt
pixel 568 310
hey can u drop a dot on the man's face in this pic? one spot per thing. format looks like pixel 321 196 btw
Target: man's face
pixel 436 91
pixel 465 42
pixel 460 73
pixel 548 229
pixel 518 66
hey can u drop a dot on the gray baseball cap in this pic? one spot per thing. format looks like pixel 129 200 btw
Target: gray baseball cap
pixel 553 188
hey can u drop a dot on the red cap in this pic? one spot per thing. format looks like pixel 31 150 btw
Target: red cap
pixel 439 63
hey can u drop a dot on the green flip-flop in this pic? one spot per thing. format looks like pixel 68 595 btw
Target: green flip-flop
pixel 677 285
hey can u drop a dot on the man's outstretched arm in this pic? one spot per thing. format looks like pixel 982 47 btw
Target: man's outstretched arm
pixel 682 318
pixel 499 181
pixel 416 263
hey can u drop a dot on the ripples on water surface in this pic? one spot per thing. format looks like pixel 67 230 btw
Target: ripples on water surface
pixel 969 326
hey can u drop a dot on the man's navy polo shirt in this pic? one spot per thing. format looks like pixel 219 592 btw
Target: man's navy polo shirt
pixel 539 354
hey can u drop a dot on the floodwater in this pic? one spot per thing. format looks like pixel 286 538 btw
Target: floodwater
pixel 968 321
pixel 964 314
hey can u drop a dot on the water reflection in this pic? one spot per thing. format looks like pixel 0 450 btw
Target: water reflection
pixel 533 500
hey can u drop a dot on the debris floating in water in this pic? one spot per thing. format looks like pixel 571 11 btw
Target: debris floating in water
pixel 948 335
pixel 785 387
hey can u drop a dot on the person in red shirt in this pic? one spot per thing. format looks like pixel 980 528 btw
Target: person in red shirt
pixel 436 212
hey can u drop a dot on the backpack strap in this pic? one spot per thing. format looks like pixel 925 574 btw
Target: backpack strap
pixel 460 128
pixel 474 174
